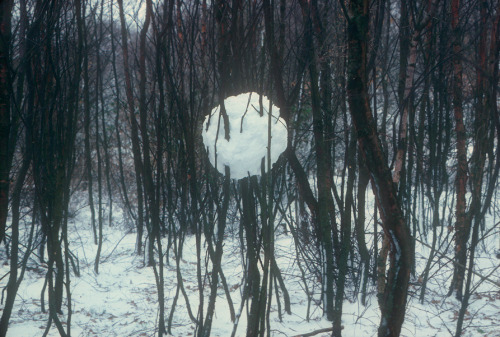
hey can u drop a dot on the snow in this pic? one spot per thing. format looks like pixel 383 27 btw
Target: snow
pixel 248 132
pixel 123 301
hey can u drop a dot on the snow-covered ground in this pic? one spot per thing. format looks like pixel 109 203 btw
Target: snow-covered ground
pixel 122 299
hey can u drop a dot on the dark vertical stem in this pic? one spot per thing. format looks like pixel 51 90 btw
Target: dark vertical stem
pixel 5 106
pixel 323 163
pixel 86 107
pixel 134 129
pixel 14 281
pixel 345 239
pixel 393 222
pixel 462 225
pixel 216 254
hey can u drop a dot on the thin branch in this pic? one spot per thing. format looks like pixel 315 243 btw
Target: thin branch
pixel 315 332
pixel 484 278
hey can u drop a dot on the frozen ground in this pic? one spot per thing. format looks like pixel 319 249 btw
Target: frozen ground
pixel 122 299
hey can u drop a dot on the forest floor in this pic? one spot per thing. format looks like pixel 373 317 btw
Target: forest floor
pixel 122 299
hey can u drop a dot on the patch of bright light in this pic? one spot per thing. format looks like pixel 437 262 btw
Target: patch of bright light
pixel 248 132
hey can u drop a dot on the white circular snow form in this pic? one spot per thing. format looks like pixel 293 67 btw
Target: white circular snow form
pixel 248 135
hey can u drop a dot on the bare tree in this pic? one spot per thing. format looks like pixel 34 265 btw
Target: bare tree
pixel 134 129
pixel 5 108
pixel 396 289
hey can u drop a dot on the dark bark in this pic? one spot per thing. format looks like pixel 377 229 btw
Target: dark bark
pixel 147 171
pixel 253 275
pixel 462 225
pixel 5 107
pixel 393 221
pixel 216 255
pixel 345 236
pixel 98 98
pixel 323 163
pixel 134 130
pixel 482 121
pixel 56 100
pixel 14 280
pixel 82 31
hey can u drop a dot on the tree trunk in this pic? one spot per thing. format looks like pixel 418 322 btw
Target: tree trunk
pixel 323 163
pixel 134 129
pixel 14 280
pixel 462 225
pixel 345 236
pixel 216 255
pixel 252 286
pixel 117 102
pixel 5 36
pixel 359 229
pixel 86 123
pixel 393 222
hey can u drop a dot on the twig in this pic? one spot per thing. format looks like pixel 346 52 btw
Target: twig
pixel 484 278
pixel 315 332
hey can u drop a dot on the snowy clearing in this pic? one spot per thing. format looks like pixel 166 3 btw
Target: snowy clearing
pixel 122 299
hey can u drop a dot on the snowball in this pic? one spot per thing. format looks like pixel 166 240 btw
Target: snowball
pixel 248 132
